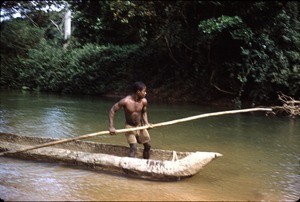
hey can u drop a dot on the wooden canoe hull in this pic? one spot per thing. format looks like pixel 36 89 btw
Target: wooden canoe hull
pixel 110 158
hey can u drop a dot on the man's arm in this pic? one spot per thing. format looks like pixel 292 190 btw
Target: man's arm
pixel 112 112
pixel 144 113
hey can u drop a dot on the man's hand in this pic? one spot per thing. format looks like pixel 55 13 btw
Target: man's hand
pixel 112 131
pixel 149 125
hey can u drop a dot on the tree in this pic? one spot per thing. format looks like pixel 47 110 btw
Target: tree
pixel 207 49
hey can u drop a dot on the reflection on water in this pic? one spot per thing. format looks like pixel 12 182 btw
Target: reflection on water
pixel 260 162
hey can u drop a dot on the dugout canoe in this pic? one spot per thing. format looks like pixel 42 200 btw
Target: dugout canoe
pixel 163 165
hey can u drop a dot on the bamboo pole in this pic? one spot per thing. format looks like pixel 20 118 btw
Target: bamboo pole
pixel 137 128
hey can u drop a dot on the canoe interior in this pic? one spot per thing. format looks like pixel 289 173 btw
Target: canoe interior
pixel 88 146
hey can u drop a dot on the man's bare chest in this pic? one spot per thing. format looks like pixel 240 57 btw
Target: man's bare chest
pixel 134 107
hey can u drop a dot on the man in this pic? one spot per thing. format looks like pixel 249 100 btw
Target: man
pixel 135 109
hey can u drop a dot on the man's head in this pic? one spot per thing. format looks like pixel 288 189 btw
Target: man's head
pixel 139 88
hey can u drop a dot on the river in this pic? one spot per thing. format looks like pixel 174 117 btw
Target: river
pixel 261 159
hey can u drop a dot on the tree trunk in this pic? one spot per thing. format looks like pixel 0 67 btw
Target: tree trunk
pixel 67 27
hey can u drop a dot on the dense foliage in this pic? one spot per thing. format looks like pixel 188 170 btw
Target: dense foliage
pixel 188 50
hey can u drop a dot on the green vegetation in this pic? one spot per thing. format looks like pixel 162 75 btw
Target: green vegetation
pixel 196 51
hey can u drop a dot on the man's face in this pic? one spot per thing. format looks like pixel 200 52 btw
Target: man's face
pixel 142 93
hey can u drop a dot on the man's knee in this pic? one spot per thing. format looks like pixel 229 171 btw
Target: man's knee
pixel 132 150
pixel 146 153
pixel 147 146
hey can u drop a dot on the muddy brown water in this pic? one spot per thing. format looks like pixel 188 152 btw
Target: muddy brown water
pixel 261 154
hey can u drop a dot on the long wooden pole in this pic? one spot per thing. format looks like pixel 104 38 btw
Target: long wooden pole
pixel 137 128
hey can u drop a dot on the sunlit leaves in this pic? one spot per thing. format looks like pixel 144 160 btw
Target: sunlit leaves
pixel 18 36
pixel 214 25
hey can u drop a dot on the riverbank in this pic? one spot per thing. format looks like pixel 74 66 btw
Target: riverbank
pixel 169 99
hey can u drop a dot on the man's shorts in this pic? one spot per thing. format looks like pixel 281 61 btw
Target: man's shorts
pixel 137 136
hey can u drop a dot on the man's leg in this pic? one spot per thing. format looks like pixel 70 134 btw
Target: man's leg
pixel 132 150
pixel 146 153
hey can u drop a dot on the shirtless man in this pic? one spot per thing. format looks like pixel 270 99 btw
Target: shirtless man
pixel 135 110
